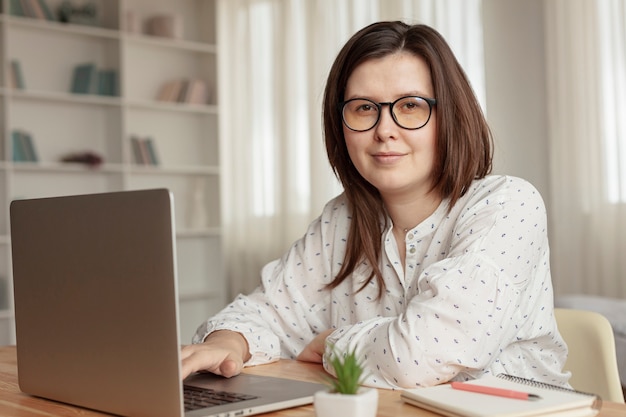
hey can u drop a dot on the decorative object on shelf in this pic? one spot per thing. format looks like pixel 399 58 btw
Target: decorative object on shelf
pixel 144 150
pixel 346 397
pixel 165 25
pixel 91 159
pixel 16 78
pixel 23 147
pixel 85 13
pixel 194 91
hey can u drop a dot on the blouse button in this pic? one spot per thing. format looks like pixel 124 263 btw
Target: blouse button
pixel 409 236
pixel 412 250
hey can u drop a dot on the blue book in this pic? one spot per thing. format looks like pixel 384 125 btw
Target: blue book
pixel 18 148
pixel 23 147
pixel 154 159
pixel 107 82
pixel 83 79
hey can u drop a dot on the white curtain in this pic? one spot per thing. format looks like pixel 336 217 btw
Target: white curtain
pixel 274 56
pixel 586 67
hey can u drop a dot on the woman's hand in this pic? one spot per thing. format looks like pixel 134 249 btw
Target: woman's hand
pixel 314 351
pixel 223 353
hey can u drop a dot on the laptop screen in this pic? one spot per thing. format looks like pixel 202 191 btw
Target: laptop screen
pixel 96 301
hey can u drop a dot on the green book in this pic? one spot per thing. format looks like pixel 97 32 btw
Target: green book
pixel 46 10
pixel 29 147
pixel 16 67
pixel 136 146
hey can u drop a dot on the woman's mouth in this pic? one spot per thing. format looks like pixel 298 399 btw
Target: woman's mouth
pixel 387 157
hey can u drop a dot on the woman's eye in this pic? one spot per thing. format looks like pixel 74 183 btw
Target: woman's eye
pixel 410 106
pixel 364 108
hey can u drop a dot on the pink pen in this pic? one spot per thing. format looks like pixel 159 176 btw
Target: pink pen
pixel 500 392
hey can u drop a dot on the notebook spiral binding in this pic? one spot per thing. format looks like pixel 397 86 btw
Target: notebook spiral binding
pixel 597 404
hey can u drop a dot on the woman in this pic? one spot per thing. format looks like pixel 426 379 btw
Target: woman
pixel 431 268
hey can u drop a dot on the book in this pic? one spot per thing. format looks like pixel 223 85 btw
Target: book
pixel 16 78
pixel 166 91
pixel 107 82
pixel 37 11
pixel 137 152
pixel 182 93
pixel 23 147
pixel 46 10
pixel 16 8
pixel 554 400
pixel 171 91
pixel 28 9
pixel 29 146
pixel 19 153
pixel 152 152
pixel 197 92
pixel 144 151
pixel 83 79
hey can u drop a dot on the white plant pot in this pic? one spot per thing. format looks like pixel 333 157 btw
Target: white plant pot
pixel 331 404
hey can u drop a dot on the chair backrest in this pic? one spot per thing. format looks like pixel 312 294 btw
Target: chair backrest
pixel 591 359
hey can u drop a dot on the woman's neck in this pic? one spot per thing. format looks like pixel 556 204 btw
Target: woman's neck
pixel 407 213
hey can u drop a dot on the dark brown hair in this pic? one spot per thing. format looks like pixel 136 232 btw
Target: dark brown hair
pixel 463 144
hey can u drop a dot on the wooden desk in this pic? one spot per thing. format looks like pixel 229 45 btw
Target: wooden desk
pixel 14 403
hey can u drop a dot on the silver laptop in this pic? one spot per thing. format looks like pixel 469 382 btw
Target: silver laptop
pixel 96 311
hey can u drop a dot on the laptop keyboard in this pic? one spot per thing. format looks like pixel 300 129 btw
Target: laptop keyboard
pixel 196 398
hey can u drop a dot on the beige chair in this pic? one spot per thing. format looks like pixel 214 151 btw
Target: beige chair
pixel 591 359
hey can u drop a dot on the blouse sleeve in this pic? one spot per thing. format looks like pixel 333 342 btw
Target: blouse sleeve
pixel 289 307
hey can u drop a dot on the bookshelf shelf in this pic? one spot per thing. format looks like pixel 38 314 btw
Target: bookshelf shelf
pixel 176 170
pixel 60 122
pixel 190 46
pixel 66 167
pixel 71 29
pixel 172 107
pixel 62 97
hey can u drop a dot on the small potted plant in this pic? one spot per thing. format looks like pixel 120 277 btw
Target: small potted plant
pixel 345 396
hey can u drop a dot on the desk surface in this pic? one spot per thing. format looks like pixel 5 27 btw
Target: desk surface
pixel 14 403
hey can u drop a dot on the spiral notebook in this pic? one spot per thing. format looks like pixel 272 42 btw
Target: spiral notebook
pixel 554 401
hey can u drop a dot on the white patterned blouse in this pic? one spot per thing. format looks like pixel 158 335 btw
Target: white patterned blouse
pixel 473 298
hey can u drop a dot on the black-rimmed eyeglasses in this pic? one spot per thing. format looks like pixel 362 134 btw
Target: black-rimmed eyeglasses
pixel 411 112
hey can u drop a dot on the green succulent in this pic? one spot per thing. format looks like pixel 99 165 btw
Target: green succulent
pixel 349 373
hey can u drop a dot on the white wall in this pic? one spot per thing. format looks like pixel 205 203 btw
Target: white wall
pixel 516 94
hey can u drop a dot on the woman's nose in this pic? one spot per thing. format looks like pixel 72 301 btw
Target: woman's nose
pixel 386 128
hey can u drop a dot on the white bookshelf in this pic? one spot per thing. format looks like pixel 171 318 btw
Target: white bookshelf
pixel 62 123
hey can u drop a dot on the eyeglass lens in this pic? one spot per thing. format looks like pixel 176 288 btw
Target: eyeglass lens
pixel 408 112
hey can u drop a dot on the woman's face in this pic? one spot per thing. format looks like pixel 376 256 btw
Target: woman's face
pixel 395 160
